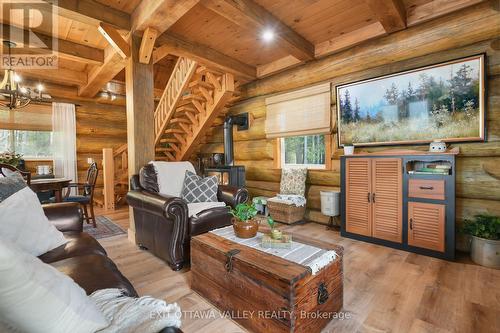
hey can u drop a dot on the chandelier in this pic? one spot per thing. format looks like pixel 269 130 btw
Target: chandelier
pixel 12 94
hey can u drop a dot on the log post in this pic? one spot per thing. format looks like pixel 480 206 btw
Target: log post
pixel 140 115
pixel 108 166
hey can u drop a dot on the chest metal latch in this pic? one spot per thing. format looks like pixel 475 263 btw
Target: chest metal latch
pixel 229 261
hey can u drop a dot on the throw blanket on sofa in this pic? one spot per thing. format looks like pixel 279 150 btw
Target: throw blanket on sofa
pixel 127 314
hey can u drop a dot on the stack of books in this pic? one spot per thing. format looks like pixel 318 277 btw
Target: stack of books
pixel 438 169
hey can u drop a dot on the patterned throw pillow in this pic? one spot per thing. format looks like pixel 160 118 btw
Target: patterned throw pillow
pixel 293 181
pixel 198 189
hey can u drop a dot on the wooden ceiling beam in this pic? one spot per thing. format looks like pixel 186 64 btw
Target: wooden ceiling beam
pixel 99 76
pixel 65 49
pixel 91 12
pixel 159 14
pixel 117 42
pixel 277 66
pixel 350 39
pixel 170 44
pixel 250 15
pixel 436 8
pixel 390 13
pixel 147 45
pixel 59 75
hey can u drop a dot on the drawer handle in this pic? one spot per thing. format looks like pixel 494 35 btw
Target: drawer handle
pixel 426 187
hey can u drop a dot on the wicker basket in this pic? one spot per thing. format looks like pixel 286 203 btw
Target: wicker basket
pixel 286 213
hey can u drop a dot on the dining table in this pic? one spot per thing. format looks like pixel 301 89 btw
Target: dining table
pixel 50 184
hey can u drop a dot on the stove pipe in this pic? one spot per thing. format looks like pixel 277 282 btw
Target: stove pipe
pixel 242 122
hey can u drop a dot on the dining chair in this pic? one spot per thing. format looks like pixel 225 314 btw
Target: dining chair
pixel 86 198
pixel 7 169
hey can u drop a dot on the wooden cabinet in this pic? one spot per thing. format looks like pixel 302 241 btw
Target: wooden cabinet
pixel 405 201
pixel 358 192
pixel 374 198
pixel 426 225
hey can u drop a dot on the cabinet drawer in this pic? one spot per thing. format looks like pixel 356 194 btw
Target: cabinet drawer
pixel 427 189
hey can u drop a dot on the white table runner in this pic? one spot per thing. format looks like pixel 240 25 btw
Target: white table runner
pixel 302 254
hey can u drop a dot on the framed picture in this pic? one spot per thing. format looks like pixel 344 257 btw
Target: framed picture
pixel 440 102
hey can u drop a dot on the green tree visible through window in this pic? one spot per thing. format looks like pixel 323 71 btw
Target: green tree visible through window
pixel 308 150
pixel 27 143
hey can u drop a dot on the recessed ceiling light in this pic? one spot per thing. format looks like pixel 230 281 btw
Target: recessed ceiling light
pixel 268 35
pixel 39 87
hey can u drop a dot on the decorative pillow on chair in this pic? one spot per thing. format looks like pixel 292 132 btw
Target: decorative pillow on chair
pixel 22 220
pixel 37 298
pixel 198 189
pixel 293 181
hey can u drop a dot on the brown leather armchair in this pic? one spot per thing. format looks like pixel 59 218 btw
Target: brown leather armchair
pixel 162 223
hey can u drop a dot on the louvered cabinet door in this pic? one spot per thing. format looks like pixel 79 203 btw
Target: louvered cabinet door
pixel 358 211
pixel 426 223
pixel 387 199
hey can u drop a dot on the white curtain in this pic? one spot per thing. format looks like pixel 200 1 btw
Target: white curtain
pixel 64 140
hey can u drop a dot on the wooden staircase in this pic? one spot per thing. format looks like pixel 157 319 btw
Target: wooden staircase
pixel 193 98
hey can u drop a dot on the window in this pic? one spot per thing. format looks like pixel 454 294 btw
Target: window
pixel 309 151
pixel 31 144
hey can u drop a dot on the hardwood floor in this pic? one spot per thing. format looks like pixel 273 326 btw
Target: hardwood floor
pixel 386 290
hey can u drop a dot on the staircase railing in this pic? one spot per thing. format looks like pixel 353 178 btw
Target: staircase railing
pixel 181 75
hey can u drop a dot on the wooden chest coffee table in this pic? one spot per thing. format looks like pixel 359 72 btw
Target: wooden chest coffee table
pixel 263 292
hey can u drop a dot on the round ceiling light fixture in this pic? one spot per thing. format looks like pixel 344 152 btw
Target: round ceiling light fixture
pixel 268 35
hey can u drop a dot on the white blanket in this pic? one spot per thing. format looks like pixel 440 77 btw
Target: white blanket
pixel 290 199
pixel 129 315
pixel 197 207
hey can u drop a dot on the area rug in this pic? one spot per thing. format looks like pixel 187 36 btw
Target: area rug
pixel 105 228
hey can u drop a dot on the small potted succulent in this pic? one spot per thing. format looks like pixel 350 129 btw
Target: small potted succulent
pixel 275 233
pixel 485 239
pixel 244 224
pixel 348 148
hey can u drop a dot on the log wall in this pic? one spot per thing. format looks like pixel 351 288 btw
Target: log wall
pixel 468 32
pixel 98 126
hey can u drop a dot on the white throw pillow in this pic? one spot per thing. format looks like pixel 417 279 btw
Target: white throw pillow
pixel 37 298
pixel 22 220
pixel 170 176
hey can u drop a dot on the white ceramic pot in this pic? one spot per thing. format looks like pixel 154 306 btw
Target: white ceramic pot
pixel 485 252
pixel 348 150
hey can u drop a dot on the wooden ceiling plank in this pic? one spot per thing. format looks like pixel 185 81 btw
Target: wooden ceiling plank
pixel 390 13
pixel 277 66
pixel 147 45
pixel 159 14
pixel 114 39
pixel 65 49
pixel 91 12
pixel 170 44
pixel 248 14
pixel 436 8
pixel 349 39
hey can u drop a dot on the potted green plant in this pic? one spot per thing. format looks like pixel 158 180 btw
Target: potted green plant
pixel 485 239
pixel 10 158
pixel 244 224
pixel 348 148
pixel 275 233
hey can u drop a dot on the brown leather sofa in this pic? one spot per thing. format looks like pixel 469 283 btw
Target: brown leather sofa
pixel 162 223
pixel 82 258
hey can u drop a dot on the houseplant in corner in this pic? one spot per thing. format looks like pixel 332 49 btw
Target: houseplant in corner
pixel 485 234
pixel 10 158
pixel 244 224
